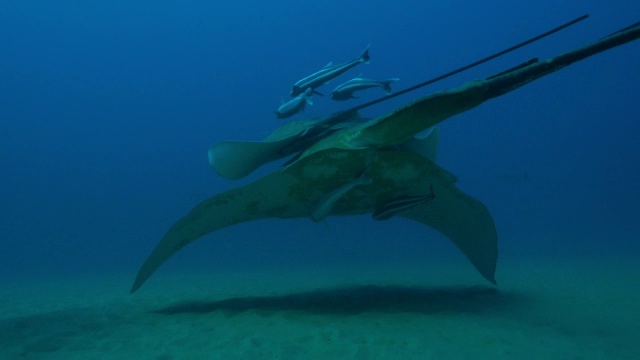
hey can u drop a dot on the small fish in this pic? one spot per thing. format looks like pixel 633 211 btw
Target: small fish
pixel 326 74
pixel 294 105
pixel 394 206
pixel 346 90
pixel 326 204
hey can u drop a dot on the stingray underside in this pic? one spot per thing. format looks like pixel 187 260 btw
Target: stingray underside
pixel 296 190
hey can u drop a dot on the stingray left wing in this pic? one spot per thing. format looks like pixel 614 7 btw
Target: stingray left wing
pixel 267 197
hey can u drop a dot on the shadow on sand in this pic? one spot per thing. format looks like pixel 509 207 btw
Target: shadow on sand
pixel 52 331
pixel 359 299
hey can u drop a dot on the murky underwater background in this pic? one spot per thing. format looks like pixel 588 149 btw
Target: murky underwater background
pixel 106 114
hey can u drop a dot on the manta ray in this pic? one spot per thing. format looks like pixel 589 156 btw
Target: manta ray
pixel 343 165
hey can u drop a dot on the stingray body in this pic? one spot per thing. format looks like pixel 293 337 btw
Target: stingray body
pixel 297 189
pixel 384 149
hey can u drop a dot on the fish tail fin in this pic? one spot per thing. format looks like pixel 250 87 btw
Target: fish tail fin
pixel 386 84
pixel 364 57
pixel 307 96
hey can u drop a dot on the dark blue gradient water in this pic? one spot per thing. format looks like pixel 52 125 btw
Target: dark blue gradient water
pixel 107 110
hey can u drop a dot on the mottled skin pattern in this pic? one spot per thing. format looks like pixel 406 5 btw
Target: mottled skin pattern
pixel 295 191
pixel 341 157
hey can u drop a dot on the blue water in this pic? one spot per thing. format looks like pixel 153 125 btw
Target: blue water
pixel 107 110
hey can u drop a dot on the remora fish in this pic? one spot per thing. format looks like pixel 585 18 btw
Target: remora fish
pixel 326 205
pixel 390 209
pixel 326 74
pixel 346 90
pixel 294 105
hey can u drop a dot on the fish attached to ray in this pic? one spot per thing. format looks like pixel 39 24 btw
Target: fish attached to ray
pixel 395 206
pixel 326 204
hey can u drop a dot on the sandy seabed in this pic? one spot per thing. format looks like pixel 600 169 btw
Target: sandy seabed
pixel 583 309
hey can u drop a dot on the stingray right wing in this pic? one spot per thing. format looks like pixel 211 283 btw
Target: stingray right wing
pixel 463 220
